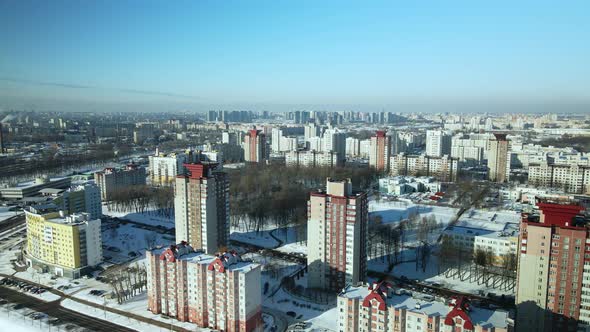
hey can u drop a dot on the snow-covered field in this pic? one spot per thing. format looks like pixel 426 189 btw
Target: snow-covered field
pixel 137 305
pixel 121 241
pixel 144 218
pixel 5 213
pixel 14 320
pixel 432 275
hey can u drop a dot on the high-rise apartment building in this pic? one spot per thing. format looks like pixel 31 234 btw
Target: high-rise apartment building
pixel 335 141
pixel 438 143
pixel 65 245
pixel 336 236
pixel 572 177
pixel 81 198
pixel 255 147
pixel 497 158
pixel 164 168
pixel 229 138
pixel 111 179
pixel 201 207
pixel 380 151
pixel 311 130
pixel 219 292
pixel 553 275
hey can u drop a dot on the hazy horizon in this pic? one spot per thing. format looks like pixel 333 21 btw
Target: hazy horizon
pixel 454 56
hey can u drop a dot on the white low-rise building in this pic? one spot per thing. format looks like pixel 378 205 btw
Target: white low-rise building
pixel 496 232
pixel 401 185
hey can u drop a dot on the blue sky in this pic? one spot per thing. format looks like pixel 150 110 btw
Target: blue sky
pixel 168 55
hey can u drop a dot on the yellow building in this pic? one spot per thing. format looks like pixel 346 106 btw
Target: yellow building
pixel 64 245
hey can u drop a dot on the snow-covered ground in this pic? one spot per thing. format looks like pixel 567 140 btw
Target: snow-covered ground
pixel 262 238
pixel 16 320
pixel 6 213
pixel 125 242
pixel 138 306
pixel 149 218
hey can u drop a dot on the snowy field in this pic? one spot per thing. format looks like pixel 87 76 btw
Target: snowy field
pixel 432 275
pixel 122 243
pixel 137 306
pixel 5 213
pixel 144 218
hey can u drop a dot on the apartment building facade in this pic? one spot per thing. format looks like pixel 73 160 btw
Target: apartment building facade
pixel 381 307
pixel 81 198
pixel 571 178
pixel 553 275
pixel 498 159
pixel 438 143
pixel 337 236
pixel 443 168
pixel 111 179
pixel 255 149
pixel 64 245
pixel 304 158
pixel 201 207
pixel 219 292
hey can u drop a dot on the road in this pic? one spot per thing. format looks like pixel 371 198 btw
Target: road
pixel 138 317
pixel 54 309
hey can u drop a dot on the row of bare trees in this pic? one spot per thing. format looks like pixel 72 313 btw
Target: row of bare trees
pixel 127 282
pixel 388 239
pixel 158 201
pixel 452 256
pixel 276 195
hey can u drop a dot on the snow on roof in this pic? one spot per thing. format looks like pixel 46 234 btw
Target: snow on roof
pixel 182 251
pixel 418 304
pixel 493 221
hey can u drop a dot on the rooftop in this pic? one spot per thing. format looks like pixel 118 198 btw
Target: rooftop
pixel 419 303
pixel 228 260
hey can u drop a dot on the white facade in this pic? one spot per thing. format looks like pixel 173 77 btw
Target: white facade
pixel 335 141
pixel 163 168
pixel 571 178
pixel 353 147
pixel 443 168
pixel 312 130
pixel 365 148
pixel 311 159
pixel 82 198
pixel 438 143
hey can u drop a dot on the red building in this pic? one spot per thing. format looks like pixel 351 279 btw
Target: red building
pixel 220 292
pixel 380 151
pixel 336 236
pixel 255 150
pixel 553 276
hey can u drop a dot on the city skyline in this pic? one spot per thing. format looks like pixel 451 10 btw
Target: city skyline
pixel 279 56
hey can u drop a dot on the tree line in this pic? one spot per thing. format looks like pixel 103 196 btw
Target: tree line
pixel 157 201
pixel 265 195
